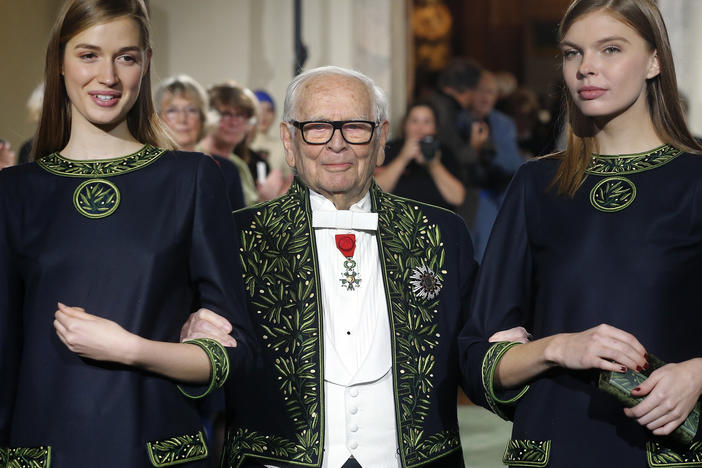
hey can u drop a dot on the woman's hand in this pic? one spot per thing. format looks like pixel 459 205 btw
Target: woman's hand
pixel 94 337
pixel 206 324
pixel 602 347
pixel 672 392
pixel 513 334
pixel 479 134
pixel 411 151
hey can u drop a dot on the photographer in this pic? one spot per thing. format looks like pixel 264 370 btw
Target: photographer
pixel 418 166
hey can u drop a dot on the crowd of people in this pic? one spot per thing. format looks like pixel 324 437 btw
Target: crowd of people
pixel 340 307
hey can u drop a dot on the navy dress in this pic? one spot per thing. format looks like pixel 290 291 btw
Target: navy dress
pixel 626 251
pixel 143 240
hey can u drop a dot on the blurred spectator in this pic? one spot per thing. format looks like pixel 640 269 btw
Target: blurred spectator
pixel 457 129
pixel 499 159
pixel 418 166
pixel 34 105
pixel 233 112
pixel 267 142
pixel 182 105
pixel 534 133
pixel 7 156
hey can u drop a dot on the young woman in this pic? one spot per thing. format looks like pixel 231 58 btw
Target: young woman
pixel 598 252
pixel 138 236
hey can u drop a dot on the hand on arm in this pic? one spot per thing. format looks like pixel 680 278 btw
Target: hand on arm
pixel 671 393
pixel 601 347
pixel 101 339
pixel 516 334
pixel 206 324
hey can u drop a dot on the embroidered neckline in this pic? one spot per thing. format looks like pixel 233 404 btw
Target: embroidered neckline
pixel 603 164
pixel 59 165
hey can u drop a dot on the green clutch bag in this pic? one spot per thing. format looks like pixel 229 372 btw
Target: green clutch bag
pixel 620 386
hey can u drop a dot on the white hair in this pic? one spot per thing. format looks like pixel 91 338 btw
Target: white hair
pixel 379 102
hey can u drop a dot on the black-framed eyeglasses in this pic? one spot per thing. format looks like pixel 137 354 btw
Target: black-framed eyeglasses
pixel 320 132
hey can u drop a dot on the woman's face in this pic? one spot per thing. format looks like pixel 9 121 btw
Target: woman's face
pixel 606 64
pixel 233 125
pixel 420 123
pixel 181 114
pixel 267 117
pixel 102 70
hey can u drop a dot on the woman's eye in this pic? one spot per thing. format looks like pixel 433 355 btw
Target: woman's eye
pixel 569 53
pixel 88 56
pixel 127 58
pixel 611 50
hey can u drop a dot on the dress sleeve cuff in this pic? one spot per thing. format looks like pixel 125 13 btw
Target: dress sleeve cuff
pixel 219 362
pixel 507 398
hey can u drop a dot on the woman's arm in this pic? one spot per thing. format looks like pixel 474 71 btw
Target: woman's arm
pixel 388 176
pixel 602 347
pixel 101 339
pixel 450 188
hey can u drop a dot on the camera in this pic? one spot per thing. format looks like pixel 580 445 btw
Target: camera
pixel 429 145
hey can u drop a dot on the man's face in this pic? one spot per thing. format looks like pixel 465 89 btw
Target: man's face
pixel 338 170
pixel 486 95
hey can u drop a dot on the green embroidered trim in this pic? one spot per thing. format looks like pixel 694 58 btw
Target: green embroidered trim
pixel 659 455
pixel 278 258
pixel 413 260
pixel 272 447
pixel 96 198
pixel 613 194
pixel 25 457
pixel 632 163
pixel 177 450
pixel 616 193
pixel 490 361
pixel 219 361
pixel 527 452
pixel 57 164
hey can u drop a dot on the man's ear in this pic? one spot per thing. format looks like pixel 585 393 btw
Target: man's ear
pixel 654 66
pixel 383 130
pixel 287 138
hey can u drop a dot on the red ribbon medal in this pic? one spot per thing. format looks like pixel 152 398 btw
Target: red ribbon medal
pixel 346 243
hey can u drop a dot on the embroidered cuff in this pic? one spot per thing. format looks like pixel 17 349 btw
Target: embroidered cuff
pixel 490 361
pixel 660 455
pixel 25 457
pixel 181 449
pixel 219 362
pixel 527 453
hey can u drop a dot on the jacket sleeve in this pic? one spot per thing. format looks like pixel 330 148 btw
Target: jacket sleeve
pixel 214 262
pixel 501 300
pixel 10 313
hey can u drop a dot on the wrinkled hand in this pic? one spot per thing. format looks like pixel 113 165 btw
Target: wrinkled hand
pixel 596 348
pixel 93 337
pixel 513 334
pixel 206 324
pixel 672 392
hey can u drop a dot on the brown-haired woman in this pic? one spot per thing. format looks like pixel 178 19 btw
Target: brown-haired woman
pixel 598 251
pixel 137 235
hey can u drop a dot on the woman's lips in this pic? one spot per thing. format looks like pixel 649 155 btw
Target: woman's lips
pixel 591 92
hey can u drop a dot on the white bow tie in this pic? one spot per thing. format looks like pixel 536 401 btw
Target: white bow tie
pixel 345 219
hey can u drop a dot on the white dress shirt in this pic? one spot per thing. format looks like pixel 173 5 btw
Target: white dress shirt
pixel 359 399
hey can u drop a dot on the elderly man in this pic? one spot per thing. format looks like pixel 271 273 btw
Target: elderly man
pixel 357 298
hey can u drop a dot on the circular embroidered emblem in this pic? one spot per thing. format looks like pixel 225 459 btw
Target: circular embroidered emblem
pixel 96 198
pixel 613 194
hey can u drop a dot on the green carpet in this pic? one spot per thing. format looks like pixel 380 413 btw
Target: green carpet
pixel 483 437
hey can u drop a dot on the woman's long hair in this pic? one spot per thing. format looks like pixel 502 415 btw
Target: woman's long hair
pixel 76 16
pixel 661 91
